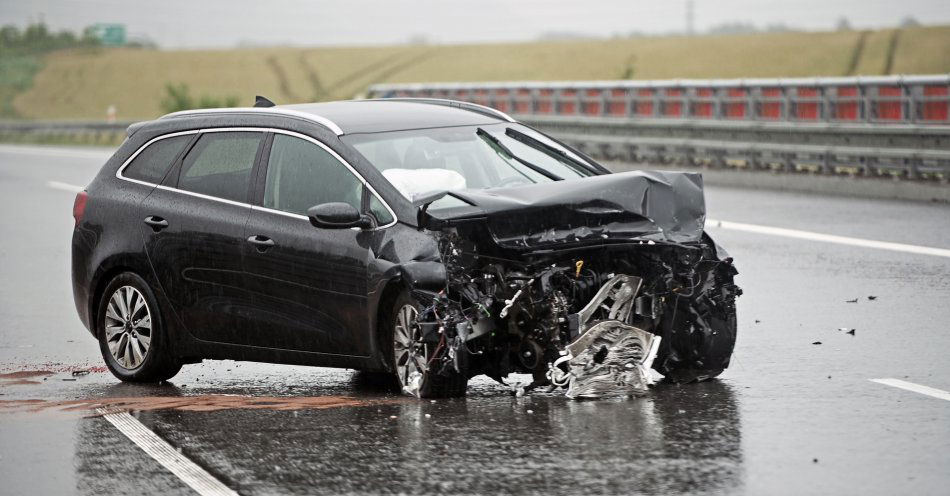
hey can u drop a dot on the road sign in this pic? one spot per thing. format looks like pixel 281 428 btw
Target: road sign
pixel 109 34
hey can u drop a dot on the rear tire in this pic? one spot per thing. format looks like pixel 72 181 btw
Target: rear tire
pixel 408 357
pixel 132 336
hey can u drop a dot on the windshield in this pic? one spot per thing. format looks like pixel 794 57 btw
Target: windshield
pixel 444 159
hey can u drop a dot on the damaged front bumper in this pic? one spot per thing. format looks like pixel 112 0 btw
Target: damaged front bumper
pixel 634 289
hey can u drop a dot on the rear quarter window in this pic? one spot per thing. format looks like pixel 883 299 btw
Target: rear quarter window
pixel 153 162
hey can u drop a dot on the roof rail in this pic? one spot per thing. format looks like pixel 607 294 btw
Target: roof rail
pixel 471 107
pixel 323 121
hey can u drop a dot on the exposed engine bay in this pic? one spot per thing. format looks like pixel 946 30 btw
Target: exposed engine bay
pixel 592 321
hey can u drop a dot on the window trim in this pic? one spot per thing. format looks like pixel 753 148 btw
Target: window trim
pixel 263 167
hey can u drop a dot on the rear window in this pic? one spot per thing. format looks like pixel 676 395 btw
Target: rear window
pixel 220 165
pixel 151 164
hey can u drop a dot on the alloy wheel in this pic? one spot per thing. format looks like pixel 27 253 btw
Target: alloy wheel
pixel 409 353
pixel 128 327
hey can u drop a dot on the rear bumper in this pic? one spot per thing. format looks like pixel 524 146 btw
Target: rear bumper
pixel 81 279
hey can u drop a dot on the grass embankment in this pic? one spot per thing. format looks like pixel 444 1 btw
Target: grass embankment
pixel 16 76
pixel 81 85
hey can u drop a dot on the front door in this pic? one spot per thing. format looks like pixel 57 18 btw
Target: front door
pixel 309 284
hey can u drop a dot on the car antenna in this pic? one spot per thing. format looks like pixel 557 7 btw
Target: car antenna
pixel 260 101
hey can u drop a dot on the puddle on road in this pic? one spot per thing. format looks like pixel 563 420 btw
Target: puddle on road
pixel 24 377
pixel 198 403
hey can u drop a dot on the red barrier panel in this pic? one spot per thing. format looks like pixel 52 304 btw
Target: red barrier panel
pixel 500 99
pixel 545 101
pixel 889 105
pixel 523 101
pixel 702 104
pixel 673 105
pixel 847 107
pixel 806 104
pixel 568 102
pixel 937 109
pixel 771 104
pixel 591 105
pixel 644 102
pixel 737 103
pixel 616 103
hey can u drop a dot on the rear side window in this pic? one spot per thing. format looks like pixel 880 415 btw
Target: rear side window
pixel 151 164
pixel 220 165
pixel 301 174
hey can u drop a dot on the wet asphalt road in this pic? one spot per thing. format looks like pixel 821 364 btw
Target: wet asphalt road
pixel 789 416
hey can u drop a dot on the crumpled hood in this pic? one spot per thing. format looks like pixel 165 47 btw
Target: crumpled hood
pixel 639 205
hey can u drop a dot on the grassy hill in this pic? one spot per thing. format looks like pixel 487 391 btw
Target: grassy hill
pixel 81 84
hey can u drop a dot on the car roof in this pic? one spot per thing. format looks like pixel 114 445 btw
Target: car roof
pixel 376 116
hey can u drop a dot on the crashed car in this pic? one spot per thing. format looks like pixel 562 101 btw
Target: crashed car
pixel 430 240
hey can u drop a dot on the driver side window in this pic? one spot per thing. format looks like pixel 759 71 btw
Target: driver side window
pixel 301 174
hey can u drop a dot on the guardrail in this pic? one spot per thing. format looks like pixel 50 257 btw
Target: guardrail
pixel 72 132
pixel 886 99
pixel 883 126
pixel 907 152
pixel 915 152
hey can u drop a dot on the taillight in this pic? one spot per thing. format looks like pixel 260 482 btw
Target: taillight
pixel 79 206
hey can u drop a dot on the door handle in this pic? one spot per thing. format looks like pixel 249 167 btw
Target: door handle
pixel 262 243
pixel 156 223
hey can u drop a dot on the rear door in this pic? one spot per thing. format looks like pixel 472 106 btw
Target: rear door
pixel 194 232
pixel 309 284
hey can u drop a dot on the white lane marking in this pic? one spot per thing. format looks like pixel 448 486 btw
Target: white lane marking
pixel 196 477
pixel 64 186
pixel 829 238
pixel 917 388
pixel 53 151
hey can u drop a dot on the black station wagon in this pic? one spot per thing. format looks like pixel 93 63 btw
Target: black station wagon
pixel 428 240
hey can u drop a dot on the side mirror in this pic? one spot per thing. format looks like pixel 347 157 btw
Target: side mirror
pixel 338 215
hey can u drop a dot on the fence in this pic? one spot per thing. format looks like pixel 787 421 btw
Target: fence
pixel 890 99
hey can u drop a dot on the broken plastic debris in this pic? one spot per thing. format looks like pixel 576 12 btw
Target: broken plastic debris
pixel 615 361
pixel 414 384
pixel 851 301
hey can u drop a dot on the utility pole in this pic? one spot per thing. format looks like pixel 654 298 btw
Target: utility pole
pixel 689 18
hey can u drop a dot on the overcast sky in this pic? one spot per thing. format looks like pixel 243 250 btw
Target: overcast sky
pixel 225 23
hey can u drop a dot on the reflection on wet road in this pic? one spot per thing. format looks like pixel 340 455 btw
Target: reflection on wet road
pixel 788 417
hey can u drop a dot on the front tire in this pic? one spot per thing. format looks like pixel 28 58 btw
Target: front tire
pixel 409 357
pixel 132 337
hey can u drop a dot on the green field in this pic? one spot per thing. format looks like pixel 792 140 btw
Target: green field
pixel 82 84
